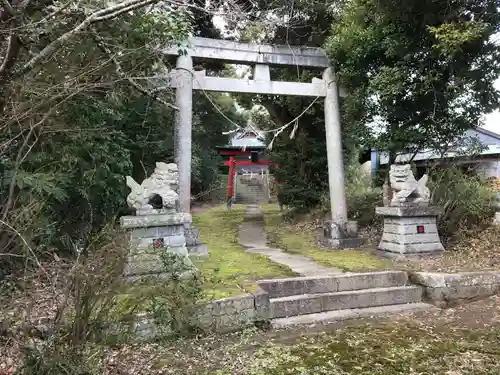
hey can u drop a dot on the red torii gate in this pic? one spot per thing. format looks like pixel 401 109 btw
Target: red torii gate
pixel 252 152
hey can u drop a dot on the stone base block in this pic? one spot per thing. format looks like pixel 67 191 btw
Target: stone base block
pixel 410 230
pixel 154 232
pixel 340 243
pixel 194 245
pixel 199 250
pixel 496 219
pixel 448 290
pixel 405 256
pixel 340 236
pixel 155 220
pixel 151 263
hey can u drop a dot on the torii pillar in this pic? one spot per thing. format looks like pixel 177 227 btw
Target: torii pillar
pixel 183 128
pixel 338 232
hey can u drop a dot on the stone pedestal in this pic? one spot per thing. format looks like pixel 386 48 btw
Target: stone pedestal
pixel 410 230
pixel 496 218
pixel 194 245
pixel 336 236
pixel 152 232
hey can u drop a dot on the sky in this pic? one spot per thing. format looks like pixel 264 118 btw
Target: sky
pixel 492 120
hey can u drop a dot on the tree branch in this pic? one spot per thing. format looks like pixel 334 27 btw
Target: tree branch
pixel 13 48
pixel 8 7
pixel 101 15
pixel 12 17
pixel 151 93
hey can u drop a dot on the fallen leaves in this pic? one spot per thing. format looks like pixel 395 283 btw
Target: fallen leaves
pixel 473 251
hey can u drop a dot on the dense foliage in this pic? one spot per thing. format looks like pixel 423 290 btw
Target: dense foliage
pixel 468 201
pixel 417 75
pixel 300 150
pixel 423 71
pixel 79 111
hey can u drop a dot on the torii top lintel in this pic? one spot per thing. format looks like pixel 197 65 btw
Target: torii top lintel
pixel 251 53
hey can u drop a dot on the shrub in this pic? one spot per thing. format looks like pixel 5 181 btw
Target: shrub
pixel 95 307
pixel 175 309
pixel 468 200
pixel 84 298
pixel 361 196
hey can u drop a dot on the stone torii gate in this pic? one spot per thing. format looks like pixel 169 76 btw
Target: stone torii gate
pixel 338 233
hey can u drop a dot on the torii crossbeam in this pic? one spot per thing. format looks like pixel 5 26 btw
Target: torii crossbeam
pixel 261 57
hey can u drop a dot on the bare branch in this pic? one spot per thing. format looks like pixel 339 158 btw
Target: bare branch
pixel 103 14
pixel 151 93
pixel 9 8
pixel 13 48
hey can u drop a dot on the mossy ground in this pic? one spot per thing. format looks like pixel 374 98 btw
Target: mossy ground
pixel 458 341
pixel 406 348
pixel 229 270
pixel 304 242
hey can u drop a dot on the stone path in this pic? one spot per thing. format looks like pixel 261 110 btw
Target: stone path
pixel 253 237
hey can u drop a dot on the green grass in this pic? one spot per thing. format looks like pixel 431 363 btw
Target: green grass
pixel 304 243
pixel 228 269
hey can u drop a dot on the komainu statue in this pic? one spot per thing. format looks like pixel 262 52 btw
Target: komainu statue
pixel 406 190
pixel 163 183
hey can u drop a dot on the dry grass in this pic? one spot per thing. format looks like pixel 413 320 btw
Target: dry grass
pixel 457 341
pixel 473 251
pixel 300 238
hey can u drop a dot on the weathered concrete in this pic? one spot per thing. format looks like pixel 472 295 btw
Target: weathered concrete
pixel 409 211
pixel 341 315
pixel 223 315
pixel 401 230
pixel 152 220
pixel 314 303
pixel 339 231
pixel 149 236
pixel 253 237
pixel 448 289
pixel 195 247
pixel 340 235
pixel 330 284
pixel 253 86
pixel 183 128
pixel 248 53
pixel 334 152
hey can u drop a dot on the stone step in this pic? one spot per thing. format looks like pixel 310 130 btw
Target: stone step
pixel 248 200
pixel 283 307
pixel 341 315
pixel 252 194
pixel 330 284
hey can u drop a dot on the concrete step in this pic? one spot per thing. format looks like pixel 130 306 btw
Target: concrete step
pixel 283 307
pixel 260 194
pixel 341 315
pixel 250 200
pixel 330 284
